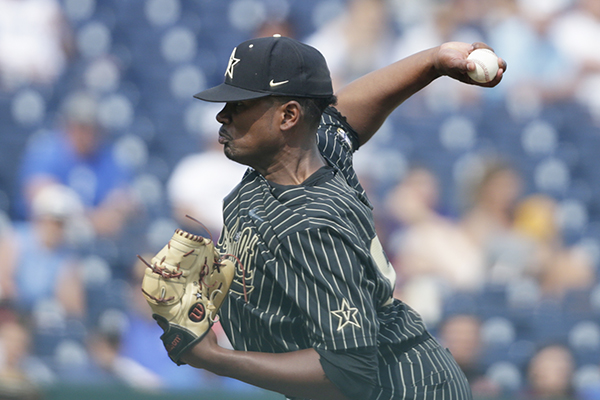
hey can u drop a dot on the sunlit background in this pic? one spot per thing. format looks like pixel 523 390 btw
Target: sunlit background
pixel 487 200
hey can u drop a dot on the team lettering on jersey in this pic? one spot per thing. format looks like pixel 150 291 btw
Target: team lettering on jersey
pixel 241 244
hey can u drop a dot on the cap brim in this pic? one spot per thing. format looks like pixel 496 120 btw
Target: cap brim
pixel 225 93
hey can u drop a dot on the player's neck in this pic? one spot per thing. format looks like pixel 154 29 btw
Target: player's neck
pixel 294 165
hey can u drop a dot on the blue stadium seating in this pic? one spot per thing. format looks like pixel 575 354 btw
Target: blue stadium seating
pixel 159 120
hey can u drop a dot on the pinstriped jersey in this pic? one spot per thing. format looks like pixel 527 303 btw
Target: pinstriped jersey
pixel 312 272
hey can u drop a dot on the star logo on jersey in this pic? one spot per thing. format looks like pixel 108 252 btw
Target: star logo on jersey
pixel 232 63
pixel 347 315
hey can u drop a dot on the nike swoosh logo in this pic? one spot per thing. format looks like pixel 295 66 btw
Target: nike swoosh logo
pixel 254 215
pixel 274 84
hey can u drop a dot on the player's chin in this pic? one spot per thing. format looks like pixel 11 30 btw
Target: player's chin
pixel 238 158
pixel 230 153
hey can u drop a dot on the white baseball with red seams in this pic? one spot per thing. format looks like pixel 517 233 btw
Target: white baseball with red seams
pixel 486 65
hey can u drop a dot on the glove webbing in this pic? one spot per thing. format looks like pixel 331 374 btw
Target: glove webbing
pixel 171 275
pixel 225 255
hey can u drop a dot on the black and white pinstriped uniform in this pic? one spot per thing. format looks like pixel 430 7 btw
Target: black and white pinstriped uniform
pixel 314 275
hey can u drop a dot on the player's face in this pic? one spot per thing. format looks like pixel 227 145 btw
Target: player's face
pixel 249 132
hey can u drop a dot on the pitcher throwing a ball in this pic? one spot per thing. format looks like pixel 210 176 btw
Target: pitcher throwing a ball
pixel 310 311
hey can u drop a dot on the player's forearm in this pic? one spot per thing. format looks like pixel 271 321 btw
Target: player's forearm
pixel 296 374
pixel 369 100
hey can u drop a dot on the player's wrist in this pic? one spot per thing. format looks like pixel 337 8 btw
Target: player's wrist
pixel 204 353
pixel 434 63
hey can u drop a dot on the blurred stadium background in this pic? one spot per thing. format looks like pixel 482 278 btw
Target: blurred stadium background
pixel 488 200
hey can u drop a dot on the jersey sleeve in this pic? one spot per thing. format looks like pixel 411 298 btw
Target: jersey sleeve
pixel 353 371
pixel 329 280
pixel 337 142
pixel 333 122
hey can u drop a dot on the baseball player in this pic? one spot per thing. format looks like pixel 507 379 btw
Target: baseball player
pixel 310 311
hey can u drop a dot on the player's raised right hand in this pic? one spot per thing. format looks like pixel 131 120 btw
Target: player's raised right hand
pixel 450 59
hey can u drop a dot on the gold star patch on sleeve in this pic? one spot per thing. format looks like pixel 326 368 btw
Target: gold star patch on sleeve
pixel 347 315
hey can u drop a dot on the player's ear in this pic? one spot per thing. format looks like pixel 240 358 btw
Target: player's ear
pixel 291 112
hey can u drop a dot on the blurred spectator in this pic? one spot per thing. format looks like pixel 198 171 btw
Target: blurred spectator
pixel 79 156
pixel 464 20
pixel 438 22
pixel 499 238
pixel 15 380
pixel 550 374
pixel 35 42
pixel 37 263
pixel 430 251
pixel 432 255
pixel 200 182
pixel 491 198
pixel 572 33
pixel 105 349
pixel 356 42
pixel 275 26
pixel 519 31
pixel 461 334
pixel 431 244
pixel 442 21
pixel 558 268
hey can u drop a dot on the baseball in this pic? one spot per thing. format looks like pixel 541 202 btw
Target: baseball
pixel 486 65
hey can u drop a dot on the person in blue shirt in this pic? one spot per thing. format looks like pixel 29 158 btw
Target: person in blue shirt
pixel 78 156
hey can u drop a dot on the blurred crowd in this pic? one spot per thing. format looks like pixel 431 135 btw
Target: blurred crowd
pixel 487 200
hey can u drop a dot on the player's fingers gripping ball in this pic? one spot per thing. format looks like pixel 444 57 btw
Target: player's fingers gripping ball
pixel 185 285
pixel 486 65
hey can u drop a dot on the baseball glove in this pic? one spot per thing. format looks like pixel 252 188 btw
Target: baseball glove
pixel 185 285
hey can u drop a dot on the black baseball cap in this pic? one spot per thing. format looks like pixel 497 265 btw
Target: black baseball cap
pixel 272 66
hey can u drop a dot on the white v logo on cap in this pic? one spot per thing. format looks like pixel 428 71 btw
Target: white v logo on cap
pixel 232 63
pixel 274 84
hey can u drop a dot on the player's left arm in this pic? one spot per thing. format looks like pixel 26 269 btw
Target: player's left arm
pixel 319 372
pixel 369 100
pixel 298 373
pixel 185 285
